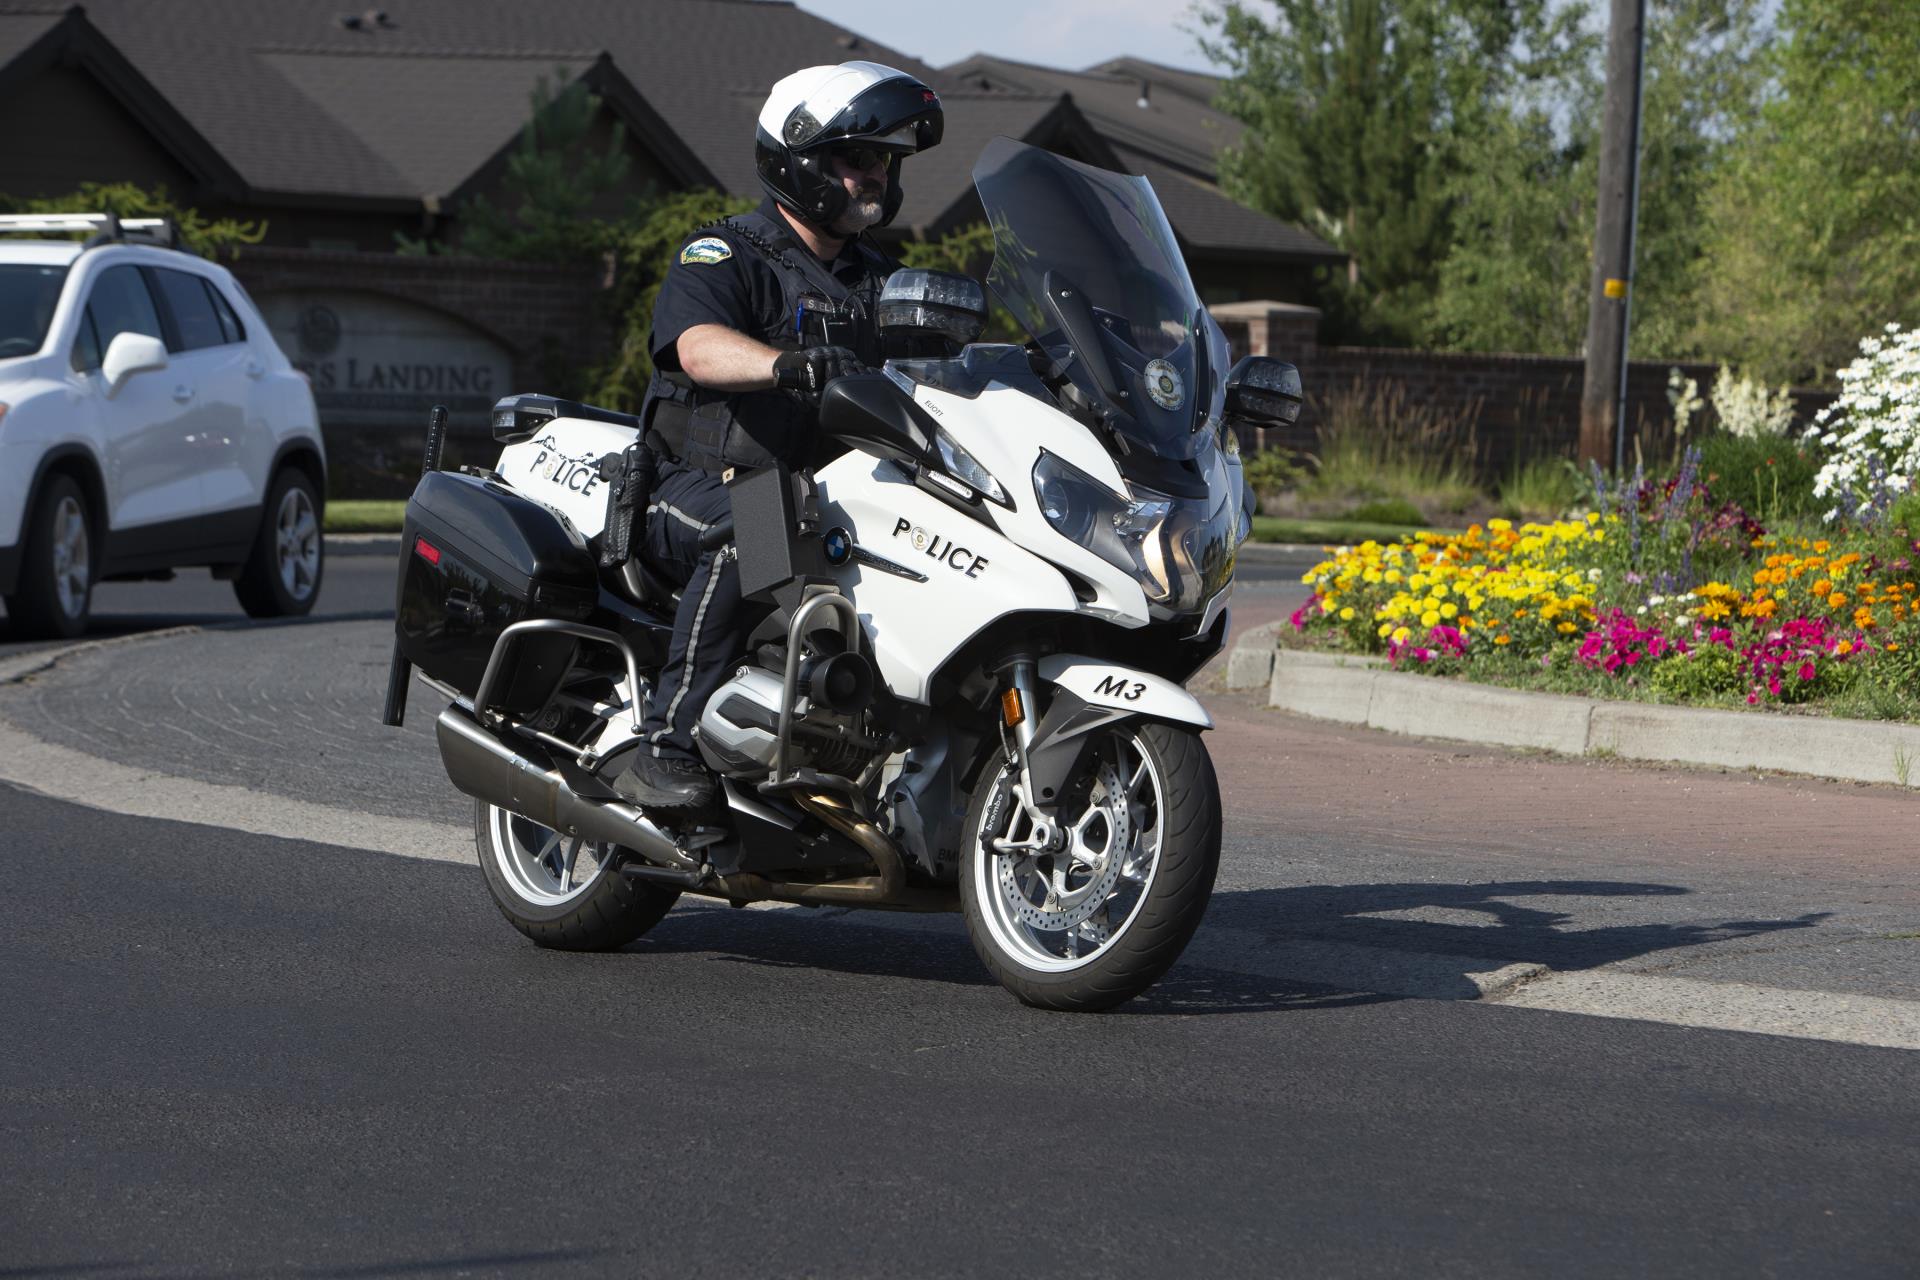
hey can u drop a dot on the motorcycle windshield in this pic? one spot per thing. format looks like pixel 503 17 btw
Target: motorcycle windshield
pixel 1086 261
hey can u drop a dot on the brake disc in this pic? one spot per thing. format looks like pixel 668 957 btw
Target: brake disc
pixel 1065 908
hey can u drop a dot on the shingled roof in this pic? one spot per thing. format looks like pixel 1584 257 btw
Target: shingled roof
pixel 284 101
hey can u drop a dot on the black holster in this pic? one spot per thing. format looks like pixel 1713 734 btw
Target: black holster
pixel 628 476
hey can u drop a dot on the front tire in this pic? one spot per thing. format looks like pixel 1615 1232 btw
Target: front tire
pixel 281 578
pixel 54 596
pixel 563 892
pixel 1094 924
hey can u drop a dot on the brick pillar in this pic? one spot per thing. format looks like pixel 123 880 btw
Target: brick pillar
pixel 1284 330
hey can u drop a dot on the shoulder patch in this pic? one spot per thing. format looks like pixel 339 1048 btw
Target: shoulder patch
pixel 706 249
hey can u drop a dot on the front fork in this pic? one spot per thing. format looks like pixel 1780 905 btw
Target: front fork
pixel 1019 718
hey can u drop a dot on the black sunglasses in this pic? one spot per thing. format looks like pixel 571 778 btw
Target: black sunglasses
pixel 861 158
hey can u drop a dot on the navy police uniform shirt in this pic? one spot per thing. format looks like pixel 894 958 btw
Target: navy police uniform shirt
pixel 719 278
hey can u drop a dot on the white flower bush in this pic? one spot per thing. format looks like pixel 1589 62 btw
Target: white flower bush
pixel 1747 409
pixel 1683 393
pixel 1871 434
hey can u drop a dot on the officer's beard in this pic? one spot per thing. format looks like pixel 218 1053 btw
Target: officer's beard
pixel 864 209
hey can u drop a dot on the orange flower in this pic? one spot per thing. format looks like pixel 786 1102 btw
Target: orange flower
pixel 1821 587
pixel 1837 600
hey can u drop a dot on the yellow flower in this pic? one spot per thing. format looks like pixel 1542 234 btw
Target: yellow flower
pixel 1401 635
pixel 1386 629
pixel 1346 614
pixel 1449 610
pixel 1430 618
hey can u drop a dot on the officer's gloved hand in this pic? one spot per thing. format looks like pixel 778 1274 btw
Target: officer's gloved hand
pixel 809 370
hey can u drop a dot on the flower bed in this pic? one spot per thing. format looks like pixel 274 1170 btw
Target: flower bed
pixel 1668 592
pixel 1569 606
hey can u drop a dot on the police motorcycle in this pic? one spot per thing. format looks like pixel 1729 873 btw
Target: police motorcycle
pixel 967 692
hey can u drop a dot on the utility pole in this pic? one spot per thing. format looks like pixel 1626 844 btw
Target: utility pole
pixel 1603 402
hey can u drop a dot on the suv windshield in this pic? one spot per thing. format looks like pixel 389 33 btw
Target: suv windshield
pixel 1087 262
pixel 28 294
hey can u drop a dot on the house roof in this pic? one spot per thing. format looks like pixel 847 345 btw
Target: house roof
pixel 1176 125
pixel 283 101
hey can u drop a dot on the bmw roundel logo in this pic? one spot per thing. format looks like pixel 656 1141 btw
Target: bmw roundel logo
pixel 1164 384
pixel 839 545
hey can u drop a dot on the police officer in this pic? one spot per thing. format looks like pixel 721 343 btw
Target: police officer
pixel 756 316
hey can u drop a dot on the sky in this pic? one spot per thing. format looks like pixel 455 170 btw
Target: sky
pixel 1057 33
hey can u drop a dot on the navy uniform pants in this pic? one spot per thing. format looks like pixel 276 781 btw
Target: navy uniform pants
pixel 711 624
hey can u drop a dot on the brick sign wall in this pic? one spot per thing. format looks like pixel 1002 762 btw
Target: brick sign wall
pixel 384 336
pixel 1519 405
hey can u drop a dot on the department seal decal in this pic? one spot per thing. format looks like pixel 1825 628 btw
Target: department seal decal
pixel 1164 385
pixel 707 249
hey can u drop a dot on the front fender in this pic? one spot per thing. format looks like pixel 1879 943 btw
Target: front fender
pixel 1121 688
pixel 1091 694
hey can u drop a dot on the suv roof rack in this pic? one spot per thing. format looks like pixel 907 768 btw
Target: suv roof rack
pixel 107 228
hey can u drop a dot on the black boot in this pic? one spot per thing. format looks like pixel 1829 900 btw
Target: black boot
pixel 655 782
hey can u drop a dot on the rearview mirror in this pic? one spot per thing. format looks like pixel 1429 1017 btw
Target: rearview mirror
pixel 130 353
pixel 869 413
pixel 1264 391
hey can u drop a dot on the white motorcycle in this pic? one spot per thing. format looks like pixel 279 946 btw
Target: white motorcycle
pixel 967 691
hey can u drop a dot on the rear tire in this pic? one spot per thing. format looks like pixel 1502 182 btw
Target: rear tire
pixel 1094 925
pixel 281 578
pixel 54 596
pixel 581 908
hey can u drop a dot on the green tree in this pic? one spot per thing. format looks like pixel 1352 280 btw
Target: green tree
pixel 1518 273
pixel 208 237
pixel 1814 235
pixel 643 247
pixel 550 185
pixel 1358 114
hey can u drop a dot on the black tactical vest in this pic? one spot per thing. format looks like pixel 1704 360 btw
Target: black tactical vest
pixel 715 430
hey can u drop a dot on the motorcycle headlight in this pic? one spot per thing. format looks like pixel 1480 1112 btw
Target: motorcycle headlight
pixel 963 466
pixel 1179 549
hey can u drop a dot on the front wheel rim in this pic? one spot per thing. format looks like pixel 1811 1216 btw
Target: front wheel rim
pixel 1063 910
pixel 297 544
pixel 72 557
pixel 542 866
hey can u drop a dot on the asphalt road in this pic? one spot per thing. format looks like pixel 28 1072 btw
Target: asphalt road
pixel 242 1054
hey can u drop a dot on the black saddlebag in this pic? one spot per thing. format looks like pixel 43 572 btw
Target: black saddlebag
pixel 476 557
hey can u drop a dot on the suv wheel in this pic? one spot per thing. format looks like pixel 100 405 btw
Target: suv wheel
pixel 56 580
pixel 281 579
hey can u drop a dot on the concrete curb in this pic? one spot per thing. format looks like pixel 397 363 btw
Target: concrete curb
pixel 1355 690
pixel 363 544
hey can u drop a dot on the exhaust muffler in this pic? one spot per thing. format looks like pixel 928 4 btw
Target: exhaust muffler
pixel 524 779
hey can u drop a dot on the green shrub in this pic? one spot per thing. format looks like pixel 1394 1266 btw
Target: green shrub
pixel 1387 511
pixel 1269 471
pixel 1703 675
pixel 1541 488
pixel 1770 476
pixel 1376 442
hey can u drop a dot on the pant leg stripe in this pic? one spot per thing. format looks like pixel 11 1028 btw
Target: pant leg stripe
pixel 693 638
pixel 696 525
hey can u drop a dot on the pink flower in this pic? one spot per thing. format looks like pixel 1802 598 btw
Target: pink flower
pixel 1806 671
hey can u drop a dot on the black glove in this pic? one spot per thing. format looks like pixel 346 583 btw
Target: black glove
pixel 809 370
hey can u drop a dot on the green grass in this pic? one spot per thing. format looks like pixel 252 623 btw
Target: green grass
pixel 1287 529
pixel 365 517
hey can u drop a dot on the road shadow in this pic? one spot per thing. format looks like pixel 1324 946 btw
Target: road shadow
pixel 1266 950
pixel 461 1264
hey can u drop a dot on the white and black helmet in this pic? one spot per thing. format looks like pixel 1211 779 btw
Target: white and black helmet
pixel 811 112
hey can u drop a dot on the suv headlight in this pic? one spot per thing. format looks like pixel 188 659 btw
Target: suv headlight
pixel 1179 549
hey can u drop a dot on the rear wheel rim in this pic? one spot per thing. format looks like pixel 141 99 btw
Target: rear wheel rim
pixel 297 544
pixel 72 557
pixel 542 866
pixel 1064 910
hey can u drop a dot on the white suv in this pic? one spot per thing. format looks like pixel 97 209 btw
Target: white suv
pixel 148 421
